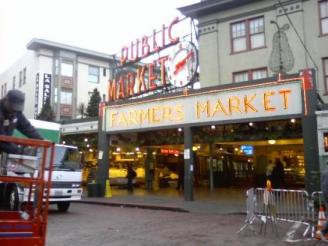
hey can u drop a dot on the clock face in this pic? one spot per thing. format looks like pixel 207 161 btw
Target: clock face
pixel 182 64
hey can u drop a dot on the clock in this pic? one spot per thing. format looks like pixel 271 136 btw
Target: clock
pixel 183 64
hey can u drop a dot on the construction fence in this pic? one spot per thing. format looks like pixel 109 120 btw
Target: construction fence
pixel 268 206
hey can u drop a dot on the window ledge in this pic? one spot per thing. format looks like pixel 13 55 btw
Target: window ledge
pixel 249 50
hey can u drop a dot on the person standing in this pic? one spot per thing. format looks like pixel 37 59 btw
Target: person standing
pixel 278 174
pixel 11 118
pixel 131 174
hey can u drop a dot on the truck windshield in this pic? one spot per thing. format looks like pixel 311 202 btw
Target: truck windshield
pixel 67 158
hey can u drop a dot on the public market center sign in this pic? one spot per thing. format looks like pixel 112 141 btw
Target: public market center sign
pixel 270 99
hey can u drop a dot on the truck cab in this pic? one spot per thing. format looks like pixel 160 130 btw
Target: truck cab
pixel 66 185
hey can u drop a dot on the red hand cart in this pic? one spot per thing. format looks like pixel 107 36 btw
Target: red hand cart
pixel 28 226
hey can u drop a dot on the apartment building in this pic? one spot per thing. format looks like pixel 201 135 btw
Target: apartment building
pixel 239 40
pixel 64 74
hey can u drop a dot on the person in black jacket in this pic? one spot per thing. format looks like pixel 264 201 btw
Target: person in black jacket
pixel 12 117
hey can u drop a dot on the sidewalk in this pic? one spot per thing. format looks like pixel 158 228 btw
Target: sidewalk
pixel 220 201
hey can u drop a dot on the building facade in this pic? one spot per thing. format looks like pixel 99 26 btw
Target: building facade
pixel 237 39
pixel 63 74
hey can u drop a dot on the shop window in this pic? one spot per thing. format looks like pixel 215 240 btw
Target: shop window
pixel 249 75
pixel 325 139
pixel 93 76
pixel 323 6
pixel 247 35
pixel 325 73
pixel 66 97
pixel 66 69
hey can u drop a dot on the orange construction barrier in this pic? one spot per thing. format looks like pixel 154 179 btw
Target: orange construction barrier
pixel 321 220
pixel 27 227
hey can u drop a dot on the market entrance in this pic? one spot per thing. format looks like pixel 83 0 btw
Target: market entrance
pixel 228 156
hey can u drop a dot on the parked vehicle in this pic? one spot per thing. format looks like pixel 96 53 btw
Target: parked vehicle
pixel 66 185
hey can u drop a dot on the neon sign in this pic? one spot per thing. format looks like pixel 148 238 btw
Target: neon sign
pixel 140 77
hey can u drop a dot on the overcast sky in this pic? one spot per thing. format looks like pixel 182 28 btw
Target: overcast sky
pixel 101 25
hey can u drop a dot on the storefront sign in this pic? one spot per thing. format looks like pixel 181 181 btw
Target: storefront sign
pixel 46 88
pixel 264 100
pixel 36 99
pixel 177 68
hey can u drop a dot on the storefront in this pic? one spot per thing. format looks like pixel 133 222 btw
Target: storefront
pixel 224 136
pixel 218 136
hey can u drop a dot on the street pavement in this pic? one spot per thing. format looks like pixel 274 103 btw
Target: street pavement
pixel 222 201
pixel 98 225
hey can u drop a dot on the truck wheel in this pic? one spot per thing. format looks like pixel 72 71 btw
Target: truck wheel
pixel 13 199
pixel 63 206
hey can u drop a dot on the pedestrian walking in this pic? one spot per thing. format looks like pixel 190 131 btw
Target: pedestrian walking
pixel 324 188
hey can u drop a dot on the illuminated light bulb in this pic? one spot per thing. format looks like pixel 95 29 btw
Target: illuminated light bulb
pixel 213 127
pixel 292 121
pixel 180 129
pixel 250 124
pixel 272 141
pixel 85 140
pixel 137 149
pixel 118 149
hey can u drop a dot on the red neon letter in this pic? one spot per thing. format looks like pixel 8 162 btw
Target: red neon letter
pixel 121 92
pixel 130 84
pixel 151 76
pixel 141 78
pixel 155 47
pixel 162 61
pixel 111 90
pixel 124 55
pixel 173 40
pixel 145 47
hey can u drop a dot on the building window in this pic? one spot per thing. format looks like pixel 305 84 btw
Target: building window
pixel 24 76
pixel 247 35
pixel 66 69
pixel 325 73
pixel 254 74
pixel 20 78
pixel 66 97
pixel 93 74
pixel 325 139
pixel 14 82
pixel 323 5
pixel 4 89
pixel 104 72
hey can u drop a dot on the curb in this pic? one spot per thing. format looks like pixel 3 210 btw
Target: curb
pixel 133 205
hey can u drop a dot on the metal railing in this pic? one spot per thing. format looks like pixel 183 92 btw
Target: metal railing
pixel 271 205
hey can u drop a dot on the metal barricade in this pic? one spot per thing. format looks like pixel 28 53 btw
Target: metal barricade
pixel 279 204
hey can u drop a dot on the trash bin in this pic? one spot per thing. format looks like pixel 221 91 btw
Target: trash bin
pixel 94 190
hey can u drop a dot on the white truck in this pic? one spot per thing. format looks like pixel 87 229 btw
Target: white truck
pixel 66 185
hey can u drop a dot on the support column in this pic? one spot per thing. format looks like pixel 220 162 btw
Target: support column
pixel 103 154
pixel 310 137
pixel 188 165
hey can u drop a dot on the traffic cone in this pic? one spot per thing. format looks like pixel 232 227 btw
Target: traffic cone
pixel 108 191
pixel 321 220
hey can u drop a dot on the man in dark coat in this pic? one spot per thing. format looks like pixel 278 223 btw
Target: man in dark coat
pixel 12 117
